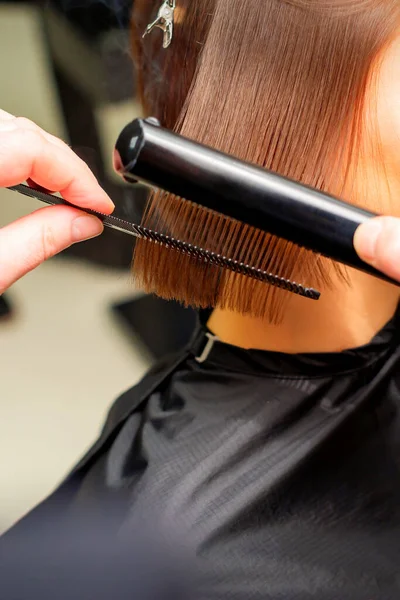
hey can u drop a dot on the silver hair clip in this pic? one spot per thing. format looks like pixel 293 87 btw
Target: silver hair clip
pixel 164 21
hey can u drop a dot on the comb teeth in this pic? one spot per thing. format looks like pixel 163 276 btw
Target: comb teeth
pixel 225 262
pixel 195 252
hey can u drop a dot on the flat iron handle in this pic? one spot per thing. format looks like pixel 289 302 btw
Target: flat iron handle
pixel 308 217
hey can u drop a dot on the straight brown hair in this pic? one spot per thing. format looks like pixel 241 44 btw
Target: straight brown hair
pixel 279 83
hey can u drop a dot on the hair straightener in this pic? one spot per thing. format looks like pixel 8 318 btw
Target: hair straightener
pixel 147 153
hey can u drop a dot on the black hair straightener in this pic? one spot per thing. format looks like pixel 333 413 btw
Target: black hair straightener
pixel 147 153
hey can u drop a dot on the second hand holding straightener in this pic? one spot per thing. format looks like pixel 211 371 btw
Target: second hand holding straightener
pixel 147 153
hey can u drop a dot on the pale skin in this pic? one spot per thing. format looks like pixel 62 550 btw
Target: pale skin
pixel 345 317
pixel 28 152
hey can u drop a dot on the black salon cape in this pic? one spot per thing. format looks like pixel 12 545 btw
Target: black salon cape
pixel 251 475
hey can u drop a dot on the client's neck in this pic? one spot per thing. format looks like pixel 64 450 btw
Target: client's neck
pixel 347 317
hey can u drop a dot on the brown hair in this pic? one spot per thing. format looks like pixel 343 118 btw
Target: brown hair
pixel 279 83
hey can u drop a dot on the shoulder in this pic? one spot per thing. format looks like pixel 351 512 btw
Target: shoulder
pixel 134 399
pixel 135 396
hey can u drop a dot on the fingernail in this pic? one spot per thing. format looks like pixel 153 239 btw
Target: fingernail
pixel 85 228
pixel 112 205
pixel 366 239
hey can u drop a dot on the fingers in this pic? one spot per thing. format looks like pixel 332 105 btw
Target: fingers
pixel 28 124
pixel 27 152
pixel 28 242
pixel 5 116
pixel 377 242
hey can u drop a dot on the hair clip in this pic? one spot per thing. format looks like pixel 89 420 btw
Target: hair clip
pixel 164 21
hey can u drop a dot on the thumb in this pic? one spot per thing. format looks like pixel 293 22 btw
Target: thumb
pixel 31 240
pixel 377 242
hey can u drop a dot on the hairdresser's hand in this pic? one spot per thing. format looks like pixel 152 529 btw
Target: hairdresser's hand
pixel 28 152
pixel 378 243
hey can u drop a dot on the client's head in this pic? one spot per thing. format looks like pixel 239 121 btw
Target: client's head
pixel 306 88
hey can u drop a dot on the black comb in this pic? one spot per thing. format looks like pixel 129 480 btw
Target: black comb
pixel 196 253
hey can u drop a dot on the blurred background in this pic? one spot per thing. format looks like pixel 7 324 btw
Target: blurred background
pixel 75 333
